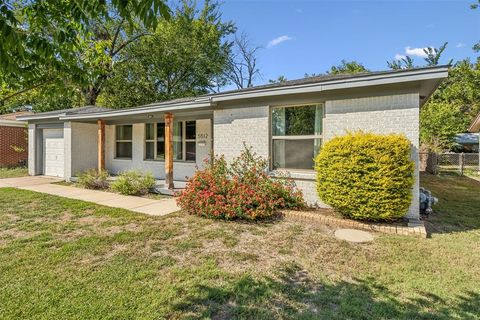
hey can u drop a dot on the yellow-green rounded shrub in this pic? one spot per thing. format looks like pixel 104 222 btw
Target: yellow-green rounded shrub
pixel 366 176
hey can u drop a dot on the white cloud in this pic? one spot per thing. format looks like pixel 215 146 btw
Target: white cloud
pixel 399 56
pixel 460 45
pixel 278 40
pixel 417 52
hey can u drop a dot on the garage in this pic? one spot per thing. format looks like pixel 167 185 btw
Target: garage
pixel 53 152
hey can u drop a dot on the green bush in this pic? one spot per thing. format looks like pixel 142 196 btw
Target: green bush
pixel 366 176
pixel 93 179
pixel 133 182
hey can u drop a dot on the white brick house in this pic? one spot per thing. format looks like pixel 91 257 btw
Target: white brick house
pixel 285 123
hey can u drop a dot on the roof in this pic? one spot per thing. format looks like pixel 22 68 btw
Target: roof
pixel 475 126
pixel 10 119
pixel 466 138
pixel 13 116
pixel 304 85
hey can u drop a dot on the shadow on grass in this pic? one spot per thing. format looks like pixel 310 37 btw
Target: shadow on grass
pixel 293 295
pixel 458 208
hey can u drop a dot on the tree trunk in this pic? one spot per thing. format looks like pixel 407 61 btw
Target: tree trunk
pixel 91 96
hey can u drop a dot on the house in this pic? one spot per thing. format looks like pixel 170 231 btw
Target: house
pixel 285 122
pixel 475 126
pixel 13 140
pixel 466 142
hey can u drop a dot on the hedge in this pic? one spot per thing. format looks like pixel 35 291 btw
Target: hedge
pixel 366 176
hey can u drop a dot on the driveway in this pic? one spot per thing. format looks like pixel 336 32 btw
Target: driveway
pixel 137 204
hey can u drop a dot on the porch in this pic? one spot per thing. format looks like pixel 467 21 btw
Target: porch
pixel 170 146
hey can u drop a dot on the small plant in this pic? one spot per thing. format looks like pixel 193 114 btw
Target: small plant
pixel 133 182
pixel 366 176
pixel 94 179
pixel 242 189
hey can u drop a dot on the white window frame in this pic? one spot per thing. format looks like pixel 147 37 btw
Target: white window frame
pixel 117 140
pixel 296 137
pixel 184 142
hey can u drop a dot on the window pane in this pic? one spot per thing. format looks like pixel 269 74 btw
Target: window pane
pixel 124 150
pixel 177 131
pixel 149 131
pixel 294 121
pixel 295 154
pixel 177 150
pixel 190 130
pixel 190 151
pixel 124 132
pixel 149 150
pixel 160 141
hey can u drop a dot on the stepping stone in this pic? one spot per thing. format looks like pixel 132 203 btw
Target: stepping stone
pixel 353 235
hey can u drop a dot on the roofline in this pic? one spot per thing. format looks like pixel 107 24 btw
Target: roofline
pixel 40 116
pixel 475 123
pixel 141 110
pixel 361 80
pixel 12 123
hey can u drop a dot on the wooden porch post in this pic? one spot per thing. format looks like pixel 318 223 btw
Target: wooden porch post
pixel 101 145
pixel 169 150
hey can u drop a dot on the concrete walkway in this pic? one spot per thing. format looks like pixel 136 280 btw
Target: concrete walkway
pixel 137 204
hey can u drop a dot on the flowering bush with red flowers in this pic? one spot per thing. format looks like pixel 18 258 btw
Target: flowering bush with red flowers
pixel 241 189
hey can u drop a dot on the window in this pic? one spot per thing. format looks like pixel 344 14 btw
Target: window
pixel 296 136
pixel 184 142
pixel 123 141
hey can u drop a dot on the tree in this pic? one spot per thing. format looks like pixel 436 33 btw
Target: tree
pixel 434 55
pixel 452 107
pixel 403 63
pixel 41 35
pixel 181 58
pixel 242 68
pixel 348 67
pixel 474 6
pixel 280 79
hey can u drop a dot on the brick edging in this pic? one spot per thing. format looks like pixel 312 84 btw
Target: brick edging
pixel 417 231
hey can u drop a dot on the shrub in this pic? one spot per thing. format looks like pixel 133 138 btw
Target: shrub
pixel 366 176
pixel 93 179
pixel 133 182
pixel 241 189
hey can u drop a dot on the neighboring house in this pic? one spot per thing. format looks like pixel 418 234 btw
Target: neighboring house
pixel 285 122
pixel 13 140
pixel 466 142
pixel 475 126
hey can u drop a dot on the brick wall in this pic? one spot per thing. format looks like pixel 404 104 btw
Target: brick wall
pixel 380 114
pixel 233 127
pixel 383 115
pixel 13 136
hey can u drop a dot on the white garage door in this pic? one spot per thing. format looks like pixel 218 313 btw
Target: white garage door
pixel 53 160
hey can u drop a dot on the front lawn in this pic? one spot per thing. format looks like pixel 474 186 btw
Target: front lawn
pixel 13 172
pixel 63 258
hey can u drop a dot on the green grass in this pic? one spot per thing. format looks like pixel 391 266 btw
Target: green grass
pixel 13 172
pixel 62 258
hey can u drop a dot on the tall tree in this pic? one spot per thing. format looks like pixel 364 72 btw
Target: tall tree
pixel 434 54
pixel 242 69
pixel 452 107
pixel 182 58
pixel 347 67
pixel 403 63
pixel 474 6
pixel 42 39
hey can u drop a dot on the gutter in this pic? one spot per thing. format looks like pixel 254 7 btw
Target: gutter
pixel 12 123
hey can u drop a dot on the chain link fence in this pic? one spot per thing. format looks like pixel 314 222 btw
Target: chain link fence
pixel 437 163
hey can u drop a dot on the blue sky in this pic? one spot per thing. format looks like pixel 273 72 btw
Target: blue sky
pixel 301 37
